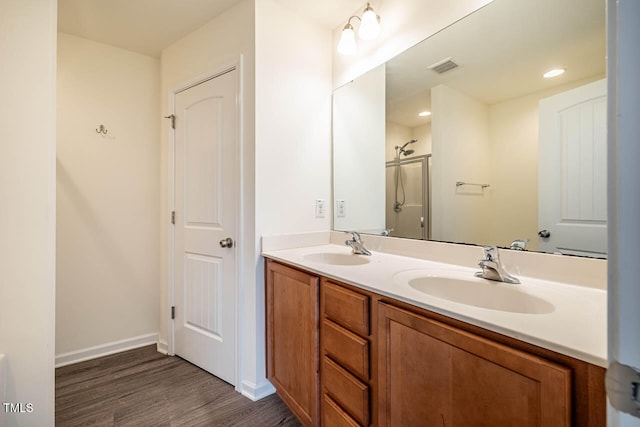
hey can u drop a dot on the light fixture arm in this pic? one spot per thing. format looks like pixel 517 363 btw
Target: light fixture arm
pixel 349 21
pixel 369 29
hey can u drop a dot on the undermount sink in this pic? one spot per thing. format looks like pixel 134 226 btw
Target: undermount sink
pixel 477 292
pixel 332 258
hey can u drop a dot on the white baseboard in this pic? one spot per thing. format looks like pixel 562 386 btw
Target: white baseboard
pixel 105 349
pixel 163 347
pixel 256 392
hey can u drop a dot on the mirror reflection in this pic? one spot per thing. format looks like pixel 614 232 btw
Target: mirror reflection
pixel 475 145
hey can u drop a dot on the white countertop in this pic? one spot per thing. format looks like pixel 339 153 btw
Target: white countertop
pixel 574 325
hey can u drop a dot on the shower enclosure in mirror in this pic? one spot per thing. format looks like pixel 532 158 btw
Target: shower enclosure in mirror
pixel 407 197
pixel 505 154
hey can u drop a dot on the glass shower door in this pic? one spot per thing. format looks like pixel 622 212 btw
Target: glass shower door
pixel 407 198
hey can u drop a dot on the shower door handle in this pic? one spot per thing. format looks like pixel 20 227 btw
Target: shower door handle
pixel 226 243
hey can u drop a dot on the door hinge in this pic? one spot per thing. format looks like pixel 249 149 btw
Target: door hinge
pixel 173 312
pixel 622 383
pixel 173 217
pixel 173 120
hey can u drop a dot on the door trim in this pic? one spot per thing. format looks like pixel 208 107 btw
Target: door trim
pixel 238 187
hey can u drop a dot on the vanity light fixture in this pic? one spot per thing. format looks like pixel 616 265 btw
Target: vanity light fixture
pixel 554 73
pixel 424 113
pixel 369 30
pixel 369 24
pixel 347 44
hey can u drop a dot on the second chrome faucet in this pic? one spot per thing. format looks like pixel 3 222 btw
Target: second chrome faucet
pixel 492 268
pixel 356 243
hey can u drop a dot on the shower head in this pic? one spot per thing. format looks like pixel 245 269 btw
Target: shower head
pixel 410 142
pixel 401 150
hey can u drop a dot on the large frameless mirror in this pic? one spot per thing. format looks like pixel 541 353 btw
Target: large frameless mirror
pixel 461 138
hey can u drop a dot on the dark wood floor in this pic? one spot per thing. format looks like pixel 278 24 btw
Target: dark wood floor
pixel 145 388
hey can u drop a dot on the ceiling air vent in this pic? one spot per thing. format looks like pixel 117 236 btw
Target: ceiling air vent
pixel 443 66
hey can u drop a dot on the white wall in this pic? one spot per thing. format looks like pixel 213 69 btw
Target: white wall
pixel 513 130
pixel 224 40
pixel 27 217
pixel 108 195
pixel 423 135
pixel 358 152
pixel 293 120
pixel 293 140
pixel 514 171
pixel 286 150
pixel 395 135
pixel 459 125
pixel 404 23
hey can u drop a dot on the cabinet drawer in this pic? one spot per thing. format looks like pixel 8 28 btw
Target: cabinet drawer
pixel 334 416
pixel 348 308
pixel 346 348
pixel 349 392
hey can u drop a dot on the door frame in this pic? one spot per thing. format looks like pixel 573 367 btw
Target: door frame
pixel 238 187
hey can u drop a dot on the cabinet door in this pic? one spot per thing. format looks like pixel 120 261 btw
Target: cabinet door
pixel 432 374
pixel 334 416
pixel 293 339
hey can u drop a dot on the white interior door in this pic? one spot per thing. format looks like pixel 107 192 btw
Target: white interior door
pixel 206 200
pixel 572 171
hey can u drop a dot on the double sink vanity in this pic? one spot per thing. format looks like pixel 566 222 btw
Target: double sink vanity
pixel 409 335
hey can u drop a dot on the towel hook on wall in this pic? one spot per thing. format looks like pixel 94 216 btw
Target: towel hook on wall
pixel 103 130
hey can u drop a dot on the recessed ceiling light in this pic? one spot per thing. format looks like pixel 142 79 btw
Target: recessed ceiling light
pixel 553 73
pixel 424 113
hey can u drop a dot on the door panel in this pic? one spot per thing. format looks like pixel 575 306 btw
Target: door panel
pixel 572 171
pixel 434 374
pixel 203 194
pixel 202 308
pixel 206 200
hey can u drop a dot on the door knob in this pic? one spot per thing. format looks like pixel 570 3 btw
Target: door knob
pixel 544 234
pixel 226 243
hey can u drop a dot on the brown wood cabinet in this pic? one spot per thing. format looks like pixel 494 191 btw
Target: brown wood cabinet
pixel 346 353
pixel 432 374
pixel 339 355
pixel 293 339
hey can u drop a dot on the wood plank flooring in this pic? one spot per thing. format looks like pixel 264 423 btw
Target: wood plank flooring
pixel 145 388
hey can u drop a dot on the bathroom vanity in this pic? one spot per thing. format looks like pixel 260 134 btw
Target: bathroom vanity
pixel 409 336
pixel 348 344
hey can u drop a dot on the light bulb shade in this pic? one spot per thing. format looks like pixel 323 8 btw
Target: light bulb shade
pixel 369 25
pixel 347 43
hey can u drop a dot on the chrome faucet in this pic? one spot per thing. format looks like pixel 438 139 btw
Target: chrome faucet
pixel 519 245
pixel 492 269
pixel 356 243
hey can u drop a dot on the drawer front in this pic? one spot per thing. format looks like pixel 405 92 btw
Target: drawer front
pixel 346 348
pixel 347 308
pixel 334 416
pixel 349 392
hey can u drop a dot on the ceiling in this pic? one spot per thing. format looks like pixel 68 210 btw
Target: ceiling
pixel 148 26
pixel 502 49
